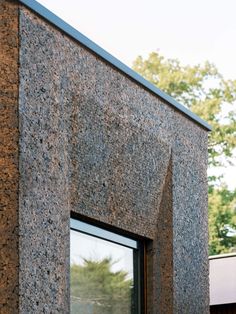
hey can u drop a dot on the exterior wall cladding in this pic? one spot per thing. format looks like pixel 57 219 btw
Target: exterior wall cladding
pixel 79 137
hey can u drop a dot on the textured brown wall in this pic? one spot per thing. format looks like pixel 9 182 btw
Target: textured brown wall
pixel 9 177
pixel 94 143
pixel 163 249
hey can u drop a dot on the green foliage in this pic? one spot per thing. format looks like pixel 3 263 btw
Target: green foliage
pixel 203 90
pixel 222 204
pixel 96 289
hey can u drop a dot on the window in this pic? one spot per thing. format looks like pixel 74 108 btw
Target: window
pixel 105 271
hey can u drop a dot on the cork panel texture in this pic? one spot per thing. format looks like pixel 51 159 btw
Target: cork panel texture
pixel 95 143
pixel 9 258
pixel 189 232
pixel 163 250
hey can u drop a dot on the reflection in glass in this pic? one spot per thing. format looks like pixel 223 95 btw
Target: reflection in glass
pixel 101 276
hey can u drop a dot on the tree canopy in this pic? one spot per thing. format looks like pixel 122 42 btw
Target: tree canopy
pixel 203 90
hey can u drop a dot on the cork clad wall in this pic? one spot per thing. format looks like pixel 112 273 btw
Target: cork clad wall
pixel 9 174
pixel 94 143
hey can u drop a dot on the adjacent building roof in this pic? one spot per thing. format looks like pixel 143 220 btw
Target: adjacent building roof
pixel 75 34
pixel 222 279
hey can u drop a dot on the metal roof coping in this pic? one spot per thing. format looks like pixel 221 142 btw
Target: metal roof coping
pixel 85 41
pixel 220 256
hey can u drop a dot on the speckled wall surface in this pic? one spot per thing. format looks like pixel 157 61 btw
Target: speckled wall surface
pixel 9 175
pixel 95 143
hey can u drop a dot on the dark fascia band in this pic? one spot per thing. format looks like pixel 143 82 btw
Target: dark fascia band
pixel 72 32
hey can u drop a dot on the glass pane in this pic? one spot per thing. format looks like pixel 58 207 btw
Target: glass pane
pixel 101 276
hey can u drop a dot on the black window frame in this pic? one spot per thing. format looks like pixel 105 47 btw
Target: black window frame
pixel 115 237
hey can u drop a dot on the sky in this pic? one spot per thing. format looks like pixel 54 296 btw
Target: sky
pixel 189 30
pixel 83 246
pixel 192 31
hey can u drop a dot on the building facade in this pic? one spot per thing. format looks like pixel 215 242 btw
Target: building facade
pixel 87 143
pixel 222 283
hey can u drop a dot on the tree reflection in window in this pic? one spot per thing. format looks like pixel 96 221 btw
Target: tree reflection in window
pixel 103 272
pixel 96 289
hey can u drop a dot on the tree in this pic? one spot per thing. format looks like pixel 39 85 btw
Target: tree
pixel 96 289
pixel 202 89
pixel 222 220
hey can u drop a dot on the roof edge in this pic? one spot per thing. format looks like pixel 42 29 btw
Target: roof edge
pixel 85 41
pixel 220 256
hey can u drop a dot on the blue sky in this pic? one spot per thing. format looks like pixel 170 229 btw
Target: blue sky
pixel 192 31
